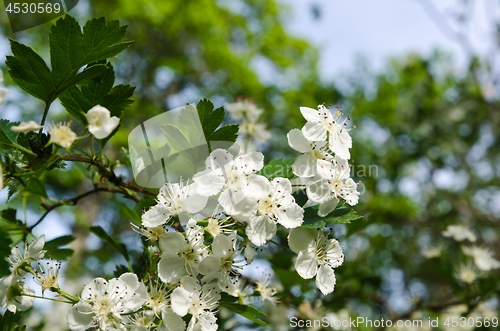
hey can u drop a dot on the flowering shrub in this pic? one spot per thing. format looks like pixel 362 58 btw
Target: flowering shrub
pixel 199 233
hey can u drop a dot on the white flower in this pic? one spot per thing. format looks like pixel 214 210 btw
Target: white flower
pixel 305 165
pixel 173 199
pixel 467 273
pixel 255 130
pixel 274 204
pixel 20 263
pixel 181 255
pixel 26 127
pixel 103 303
pixel 199 300
pixel 172 321
pixel 243 109
pixel 158 297
pixel 242 291
pixel 230 176
pixel 318 255
pixel 431 251
pixel 266 292
pixel 48 275
pixel 101 124
pixel 483 257
pixel 153 233
pixel 216 225
pixel 321 123
pixel 62 134
pixel 11 294
pixel 333 184
pixel 459 233
pixel 225 251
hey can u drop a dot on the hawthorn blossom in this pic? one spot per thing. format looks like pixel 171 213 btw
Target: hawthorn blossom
pixel 242 291
pixel 181 255
pixel 483 257
pixel 20 263
pixel 321 124
pixel 318 255
pixel 48 276
pixel 305 164
pixel 459 233
pixel 225 251
pixel 62 135
pixel 152 233
pixel 158 297
pixel 232 176
pixel 11 294
pixel 267 292
pixel 101 124
pixel 333 183
pixel 256 131
pixel 467 273
pixel 243 109
pixel 103 303
pixel 173 200
pixel 217 225
pixel 431 251
pixel 198 299
pixel 26 127
pixel 275 204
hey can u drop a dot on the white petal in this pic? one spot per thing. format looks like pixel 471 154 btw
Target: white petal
pixel 310 114
pixel 291 216
pixel 260 230
pixel 326 169
pixel 258 187
pixel 306 264
pixel 304 166
pixel 300 239
pixel 208 322
pixel 249 163
pixel 172 321
pixel 156 216
pixel 171 268
pixel 314 131
pixel 97 287
pixel 80 316
pixel 195 202
pixel 190 284
pixel 218 159
pixel 181 301
pixel 249 253
pixel 172 242
pixel 208 183
pixel 325 279
pixel 35 251
pixel 318 191
pixel 137 293
pixel 236 203
pixel 210 265
pixel 222 246
pixel 298 142
pixel 340 143
pixel 327 206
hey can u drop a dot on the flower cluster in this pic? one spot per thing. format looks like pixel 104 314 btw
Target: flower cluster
pixel 252 131
pixel 14 293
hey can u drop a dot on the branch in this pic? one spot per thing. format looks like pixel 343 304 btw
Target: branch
pixel 74 201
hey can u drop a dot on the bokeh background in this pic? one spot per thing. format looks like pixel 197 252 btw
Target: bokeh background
pixel 417 77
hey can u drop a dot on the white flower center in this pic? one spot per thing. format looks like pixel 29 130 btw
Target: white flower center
pixel 267 206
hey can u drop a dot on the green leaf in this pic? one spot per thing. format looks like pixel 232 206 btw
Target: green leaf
pixel 226 133
pixel 120 270
pixel 89 73
pixel 54 249
pixel 289 278
pixel 7 136
pixel 119 246
pixel 343 214
pixel 30 72
pixel 36 187
pixel 70 49
pixel 9 321
pixel 78 100
pixel 131 214
pixel 278 168
pixel 126 155
pixel 5 244
pixel 246 311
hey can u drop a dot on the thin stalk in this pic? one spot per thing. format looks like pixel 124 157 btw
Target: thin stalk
pixel 51 299
pixel 44 117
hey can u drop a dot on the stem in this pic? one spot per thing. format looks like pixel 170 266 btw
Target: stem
pixel 22 149
pixel 51 299
pixel 44 117
pixel 280 246
pixel 92 145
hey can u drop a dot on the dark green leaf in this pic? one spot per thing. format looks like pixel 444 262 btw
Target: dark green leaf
pixel 246 311
pixel 226 133
pixel 54 249
pixel 30 72
pixel 5 244
pixel 9 321
pixel 131 214
pixel 120 270
pixel 126 155
pixel 36 187
pixel 119 246
pixel 343 214
pixel 8 136
pixel 89 73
